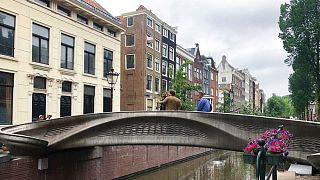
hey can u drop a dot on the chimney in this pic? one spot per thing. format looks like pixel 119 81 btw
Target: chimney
pixel 197 45
pixel 224 58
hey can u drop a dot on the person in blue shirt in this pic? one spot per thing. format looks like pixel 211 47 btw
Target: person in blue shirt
pixel 204 104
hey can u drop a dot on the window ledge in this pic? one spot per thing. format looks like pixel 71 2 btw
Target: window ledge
pixel 150 68
pixel 40 66
pixel 67 71
pixel 89 75
pixel 8 57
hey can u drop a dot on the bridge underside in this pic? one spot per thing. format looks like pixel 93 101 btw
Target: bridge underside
pixel 213 130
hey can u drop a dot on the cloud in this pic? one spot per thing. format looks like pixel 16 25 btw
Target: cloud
pixel 244 30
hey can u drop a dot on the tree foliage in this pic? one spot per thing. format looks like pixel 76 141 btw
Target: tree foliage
pixel 278 106
pixel 226 105
pixel 299 24
pixel 184 89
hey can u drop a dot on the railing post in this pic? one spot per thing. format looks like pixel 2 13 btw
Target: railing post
pixel 260 163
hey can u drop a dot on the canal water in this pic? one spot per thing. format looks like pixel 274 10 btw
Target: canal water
pixel 219 165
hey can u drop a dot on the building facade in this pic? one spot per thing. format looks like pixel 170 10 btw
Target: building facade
pixel 54 59
pixel 147 60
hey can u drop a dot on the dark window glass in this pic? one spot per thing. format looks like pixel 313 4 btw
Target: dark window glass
pixel 112 33
pixel 88 104
pixel 107 61
pixel 156 83
pixel 164 85
pixel 67 51
pixel 7 28
pixel 130 61
pixel 89 58
pixel 6 98
pixel 149 61
pixel 44 2
pixel 97 26
pixel 66 86
pixel 130 40
pixel 64 11
pixel 38 105
pixel 39 82
pixel 107 102
pixel 65 106
pixel 129 21
pixel 82 19
pixel 40 44
pixel 149 82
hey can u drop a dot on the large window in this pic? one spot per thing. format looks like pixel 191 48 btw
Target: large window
pixel 164 85
pixel 7 28
pixel 107 101
pixel 156 84
pixel 171 70
pixel 172 36
pixel 40 83
pixel 150 22
pixel 67 51
pixel 165 50
pixel 149 82
pixel 130 40
pixel 129 21
pixel 89 58
pixel 164 68
pixel 157 45
pixel 88 102
pixel 6 98
pixel 130 62
pixel 107 62
pixel 171 52
pixel 157 64
pixel 82 19
pixel 40 44
pixel 158 28
pixel 190 72
pixel 65 100
pixel 165 32
pixel 149 61
pixel 64 11
pixel 97 26
pixel 39 99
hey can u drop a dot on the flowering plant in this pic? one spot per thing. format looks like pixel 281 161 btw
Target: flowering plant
pixel 277 140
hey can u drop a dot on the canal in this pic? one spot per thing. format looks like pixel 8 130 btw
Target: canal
pixel 218 165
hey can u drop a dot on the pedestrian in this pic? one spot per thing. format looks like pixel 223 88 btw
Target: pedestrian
pixel 171 102
pixel 204 104
pixel 163 97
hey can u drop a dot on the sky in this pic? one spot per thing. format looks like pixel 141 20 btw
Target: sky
pixel 246 31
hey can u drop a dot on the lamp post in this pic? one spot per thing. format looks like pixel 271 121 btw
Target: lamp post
pixel 231 97
pixel 112 78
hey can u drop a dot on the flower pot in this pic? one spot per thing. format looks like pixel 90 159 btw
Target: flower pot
pixel 249 158
pixel 273 159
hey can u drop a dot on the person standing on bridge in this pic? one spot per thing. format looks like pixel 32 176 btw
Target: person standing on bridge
pixel 171 102
pixel 204 104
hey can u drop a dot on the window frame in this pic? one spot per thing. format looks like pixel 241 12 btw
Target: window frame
pixel 165 32
pixel 128 21
pixel 89 53
pixel 171 52
pixel 97 26
pixel 126 45
pixel 157 63
pixel 150 20
pixel 157 90
pixel 166 68
pixel 134 61
pixel 105 61
pixel 147 61
pixel 6 26
pixel 147 82
pixel 158 29
pixel 67 46
pixel 165 50
pixel 150 45
pixel 63 11
pixel 40 38
pixel 157 45
pixel 82 19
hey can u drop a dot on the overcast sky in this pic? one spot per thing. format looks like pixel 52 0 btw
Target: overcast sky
pixel 246 31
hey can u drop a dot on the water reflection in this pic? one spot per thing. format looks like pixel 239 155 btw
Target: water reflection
pixel 219 165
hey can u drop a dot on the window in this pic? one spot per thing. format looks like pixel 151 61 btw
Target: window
pixel 66 86
pixel 67 51
pixel 6 98
pixel 7 28
pixel 171 70
pixel 177 63
pixel 129 21
pixel 43 2
pixel 107 101
pixel 107 62
pixel 172 36
pixel 165 50
pixel 149 40
pixel 157 45
pixel 190 72
pixel 112 33
pixel 164 85
pixel 89 58
pixel 40 83
pixel 82 19
pixel 65 100
pixel 149 104
pixel 157 64
pixel 212 77
pixel 150 22
pixel 164 68
pixel 158 28
pixel 149 61
pixel 64 11
pixel 130 40
pixel 165 32
pixel 97 26
pixel 130 61
pixel 156 84
pixel 171 53
pixel 40 44
pixel 88 99
pixel 149 83
pixel 38 105
pixel 223 79
pixel 205 74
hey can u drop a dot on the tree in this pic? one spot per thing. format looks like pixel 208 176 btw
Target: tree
pixel 299 24
pixel 183 88
pixel 275 106
pixel 226 105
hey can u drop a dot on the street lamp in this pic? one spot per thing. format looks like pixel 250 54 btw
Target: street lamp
pixel 112 78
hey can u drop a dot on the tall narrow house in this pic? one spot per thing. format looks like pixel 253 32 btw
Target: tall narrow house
pixel 147 59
